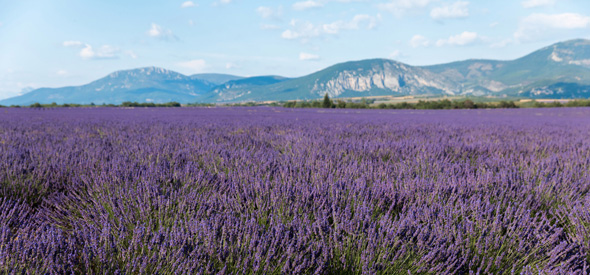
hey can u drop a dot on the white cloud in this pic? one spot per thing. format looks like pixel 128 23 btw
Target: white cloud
pixel 26 88
pixel 72 44
pixel 501 44
pixel 305 5
pixel 537 3
pixel 195 65
pixel 494 24
pixel 359 21
pixel 231 65
pixel 104 52
pixel 89 52
pixel 224 2
pixel 419 41
pixel 459 9
pixel 308 57
pixel 188 4
pixel 156 31
pixel 270 13
pixel 131 54
pixel 399 7
pixel 306 30
pixel 539 25
pixel 395 54
pixel 62 73
pixel 269 27
pixel 346 1
pixel 301 30
pixel 462 39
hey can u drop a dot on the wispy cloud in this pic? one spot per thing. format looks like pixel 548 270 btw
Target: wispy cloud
pixel 131 54
pixel 395 54
pixel 269 27
pixel 87 51
pixel 459 9
pixel 419 41
pixel 539 25
pixel 104 52
pixel 399 7
pixel 308 57
pixel 501 44
pixel 188 4
pixel 304 30
pixel 270 13
pixel 462 39
pixel 72 43
pixel 222 2
pixel 537 3
pixel 158 32
pixel 306 5
pixel 231 65
pixel 194 66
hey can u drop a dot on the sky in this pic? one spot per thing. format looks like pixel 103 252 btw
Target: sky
pixel 73 42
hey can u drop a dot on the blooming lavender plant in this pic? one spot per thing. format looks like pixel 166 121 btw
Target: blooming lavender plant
pixel 274 191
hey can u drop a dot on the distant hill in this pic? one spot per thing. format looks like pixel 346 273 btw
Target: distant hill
pixel 561 70
pixel 356 78
pixel 566 63
pixel 238 88
pixel 149 84
pixel 215 79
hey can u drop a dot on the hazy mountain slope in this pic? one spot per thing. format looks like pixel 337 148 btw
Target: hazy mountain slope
pixel 561 70
pixel 356 78
pixel 473 75
pixel 216 79
pixel 142 85
pixel 565 63
pixel 238 88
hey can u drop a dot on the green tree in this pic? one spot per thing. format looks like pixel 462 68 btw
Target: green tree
pixel 327 102
pixel 468 104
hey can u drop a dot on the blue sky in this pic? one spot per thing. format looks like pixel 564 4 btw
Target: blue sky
pixel 66 42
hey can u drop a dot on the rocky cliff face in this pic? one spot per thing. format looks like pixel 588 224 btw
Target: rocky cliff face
pixel 576 52
pixel 384 75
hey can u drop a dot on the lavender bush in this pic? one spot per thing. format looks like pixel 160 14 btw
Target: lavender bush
pixel 273 191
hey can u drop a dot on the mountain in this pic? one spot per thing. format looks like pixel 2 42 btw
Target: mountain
pixel 565 64
pixel 350 79
pixel 215 79
pixel 561 70
pixel 148 84
pixel 238 88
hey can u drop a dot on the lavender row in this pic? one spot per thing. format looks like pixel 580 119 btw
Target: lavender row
pixel 273 190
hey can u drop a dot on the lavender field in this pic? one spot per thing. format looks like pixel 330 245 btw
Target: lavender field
pixel 275 190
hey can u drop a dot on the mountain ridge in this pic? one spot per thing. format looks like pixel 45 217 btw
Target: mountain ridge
pixel 560 70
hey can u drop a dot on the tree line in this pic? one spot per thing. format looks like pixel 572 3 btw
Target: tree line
pixel 421 104
pixel 364 103
pixel 123 104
